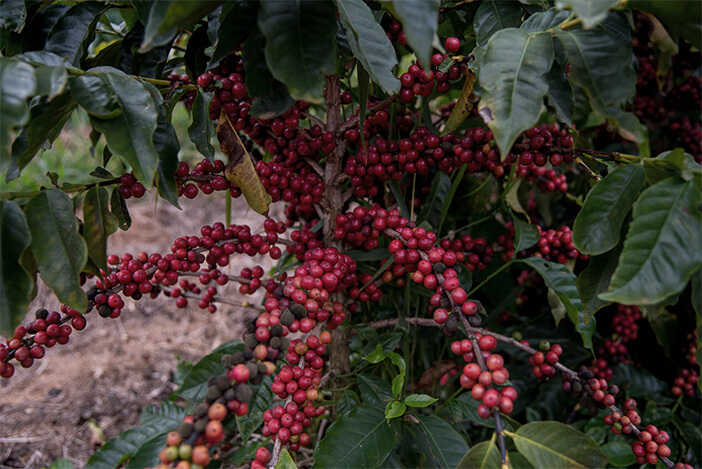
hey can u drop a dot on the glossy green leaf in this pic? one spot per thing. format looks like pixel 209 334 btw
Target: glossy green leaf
pixel 670 163
pixel 59 250
pixel 118 449
pixel 236 21
pixel 194 386
pixel 300 44
pixel 590 12
pixel 554 444
pixel 261 401
pixel 544 20
pixel 166 414
pixel 513 78
pixel 525 234
pixel 637 382
pixel 74 30
pixel 364 438
pixel 654 263
pixel 419 22
pixel 15 282
pixel 17 83
pixel 98 225
pixel 558 309
pixel 447 446
pixel 419 400
pixel 45 124
pixel 349 401
pixel 562 281
pixel 285 461
pixel 378 355
pixel 369 43
pixel 595 280
pixel 13 14
pixel 560 94
pixel 598 225
pixel 259 79
pixel 166 18
pixel 147 455
pixel 122 109
pixel 493 16
pixel 166 144
pixel 374 390
pixel 37 29
pixel 431 208
pixel 485 455
pixel 51 79
pixel 691 433
pixel 202 129
pixel 136 63
pixel 395 409
pixel 118 207
pixel 195 57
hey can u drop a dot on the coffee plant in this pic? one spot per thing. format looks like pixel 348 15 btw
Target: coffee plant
pixel 488 247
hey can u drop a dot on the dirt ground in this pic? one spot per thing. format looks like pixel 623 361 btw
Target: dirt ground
pixel 113 368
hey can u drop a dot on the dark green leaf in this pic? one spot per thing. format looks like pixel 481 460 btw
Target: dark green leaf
pixel 259 79
pixel 590 12
pixel 272 104
pixel 373 255
pixel 98 224
pixel 655 263
pixel 349 401
pixel 119 209
pixel 431 208
pixel 202 129
pixel 194 386
pixel 419 400
pixel 493 16
pixel 300 44
pixel 136 63
pixel 102 173
pixel 12 15
pixel 554 444
pixel 484 455
pixel 447 447
pixel 636 381
pixel 361 439
pixel 147 455
pixel 116 450
pixel 195 57
pixel 122 108
pixel 595 280
pixel 562 281
pixel 17 83
pixel 397 193
pixel 167 415
pixel 74 30
pixel 59 250
pixel 468 407
pixel 109 56
pixel 369 43
pixel 38 28
pixel 261 401
pixel 544 20
pixel 166 18
pixel 558 309
pixel 560 94
pixel 666 329
pixel 680 17
pixel 236 22
pixel 525 234
pixel 375 391
pixel 513 76
pixel 598 225
pixel 449 197
pixel 166 144
pixel 45 124
pixel 692 435
pixel 419 22
pixel 668 164
pixel 15 282
pixel 61 464
pixel 51 80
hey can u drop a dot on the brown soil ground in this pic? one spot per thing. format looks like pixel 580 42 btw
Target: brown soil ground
pixel 108 372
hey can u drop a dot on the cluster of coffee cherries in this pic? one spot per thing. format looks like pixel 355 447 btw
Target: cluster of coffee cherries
pixel 555 245
pixel 482 382
pixel 614 349
pixel 685 382
pixel 420 82
pixel 474 253
pixel 544 361
pixel 130 187
pixel 177 79
pixel 207 177
pixel 48 329
pixel 595 394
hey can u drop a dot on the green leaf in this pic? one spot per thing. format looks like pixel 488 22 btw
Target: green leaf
pixel 590 12
pixel 431 208
pixel 147 455
pixel 544 20
pixel 378 355
pixel 692 435
pixel 272 104
pixel 598 225
pixel 637 382
pixel 262 398
pixel 558 309
pixel 202 129
pixel 493 16
pixel 419 22
pixel 554 444
pixel 195 58
pixel 680 17
pixel 363 438
pixel 51 80
pixel 13 14
pixel 135 63
pixel 236 21
pixel 259 79
pixel 300 44
pixel 118 449
pixel 525 234
pixel 166 18
pixel 668 164
pixel 118 207
pixel 562 281
pixel 463 106
pixel 285 461
pixel 45 124
pixel 560 94
pixel 451 193
pixel 59 250
pixel 166 415
pixel 15 282
pixel 166 144
pixel 595 280
pixel 447 447
pixel 466 406
pixel 122 108
pixel 74 31
pixel 655 263
pixel 17 83
pixel 194 386
pixel 419 400
pixel 397 193
pixel 61 464
pixel 484 455
pixel 601 64
pixel 349 401
pixel 513 78
pixel 98 225
pixel 395 409
pixel 36 30
pixel 374 390
pixel 369 43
